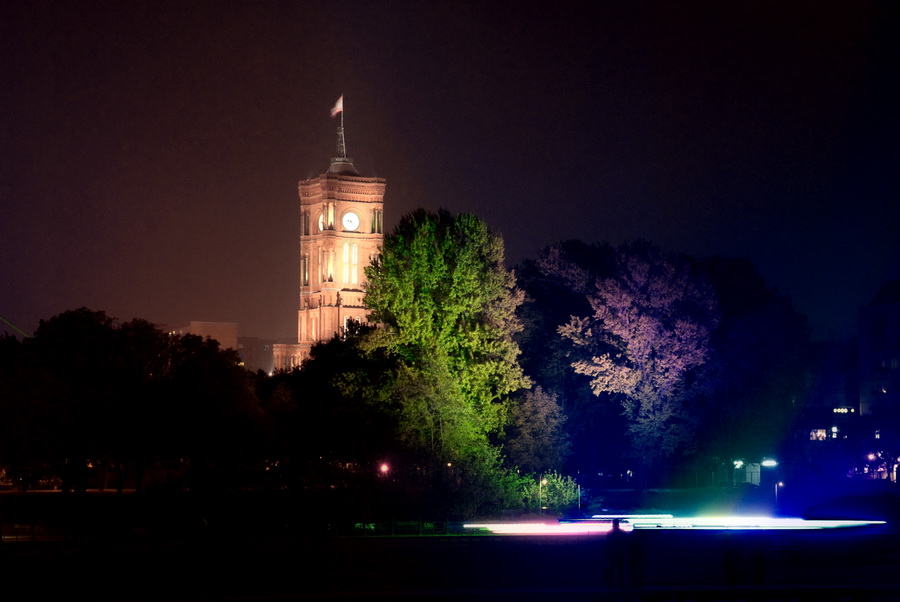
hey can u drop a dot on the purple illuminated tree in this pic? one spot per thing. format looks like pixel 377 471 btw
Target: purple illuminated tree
pixel 648 332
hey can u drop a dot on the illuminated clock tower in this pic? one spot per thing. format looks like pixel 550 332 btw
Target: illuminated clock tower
pixel 341 231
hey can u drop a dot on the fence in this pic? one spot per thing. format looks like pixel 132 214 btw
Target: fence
pixel 405 528
pixel 17 533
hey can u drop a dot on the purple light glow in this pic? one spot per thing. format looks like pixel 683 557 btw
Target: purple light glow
pixel 579 528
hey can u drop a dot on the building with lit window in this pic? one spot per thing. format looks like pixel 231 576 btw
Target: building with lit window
pixel 341 231
pixel 879 351
pixel 850 425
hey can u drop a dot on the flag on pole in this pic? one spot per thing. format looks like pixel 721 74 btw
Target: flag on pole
pixel 338 106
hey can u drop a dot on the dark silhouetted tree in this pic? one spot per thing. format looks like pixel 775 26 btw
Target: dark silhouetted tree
pixel 758 374
pixel 75 384
pixel 536 437
pixel 210 418
pixel 556 287
pixel 89 395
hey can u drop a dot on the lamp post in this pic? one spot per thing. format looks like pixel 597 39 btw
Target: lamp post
pixel 770 463
pixel 541 484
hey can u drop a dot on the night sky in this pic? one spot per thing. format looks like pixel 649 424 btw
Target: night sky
pixel 151 150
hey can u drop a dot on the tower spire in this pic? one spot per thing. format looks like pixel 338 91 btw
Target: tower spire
pixel 341 145
pixel 342 163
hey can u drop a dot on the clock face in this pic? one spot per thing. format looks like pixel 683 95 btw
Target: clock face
pixel 350 221
pixel 321 222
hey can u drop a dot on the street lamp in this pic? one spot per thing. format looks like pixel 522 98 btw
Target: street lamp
pixel 770 463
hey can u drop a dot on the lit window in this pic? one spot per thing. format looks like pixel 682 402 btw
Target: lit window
pixel 377 221
pixel 346 262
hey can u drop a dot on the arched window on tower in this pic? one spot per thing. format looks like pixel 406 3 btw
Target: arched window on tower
pixel 304 270
pixel 377 220
pixel 348 322
pixel 346 262
pixel 354 264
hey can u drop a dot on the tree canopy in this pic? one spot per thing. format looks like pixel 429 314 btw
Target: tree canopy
pixel 446 305
pixel 648 330
pixel 757 376
pixel 86 391
pixel 633 350
pixel 448 309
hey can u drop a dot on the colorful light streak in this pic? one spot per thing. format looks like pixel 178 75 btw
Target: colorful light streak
pixel 755 523
pixel 602 524
pixel 575 528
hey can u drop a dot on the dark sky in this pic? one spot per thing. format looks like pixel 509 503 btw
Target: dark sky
pixel 151 150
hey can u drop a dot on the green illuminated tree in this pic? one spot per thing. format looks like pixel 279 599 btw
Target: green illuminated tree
pixel 550 491
pixel 448 309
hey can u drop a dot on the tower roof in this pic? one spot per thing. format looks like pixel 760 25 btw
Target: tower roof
pixel 342 163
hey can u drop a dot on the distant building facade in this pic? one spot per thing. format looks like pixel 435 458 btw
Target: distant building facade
pixel 853 419
pixel 256 354
pixel 879 351
pixel 341 231
pixel 226 333
pixel 833 406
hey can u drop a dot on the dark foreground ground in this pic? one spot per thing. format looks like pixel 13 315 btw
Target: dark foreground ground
pixel 642 566
pixel 254 555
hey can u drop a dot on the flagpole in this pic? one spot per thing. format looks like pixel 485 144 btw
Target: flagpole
pixel 342 162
